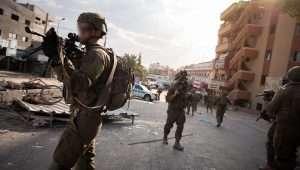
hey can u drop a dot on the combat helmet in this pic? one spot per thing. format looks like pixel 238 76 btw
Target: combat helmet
pixel 294 74
pixel 181 75
pixel 94 19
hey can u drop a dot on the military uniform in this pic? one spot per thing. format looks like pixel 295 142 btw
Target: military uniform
pixel 208 100
pixel 221 104
pixel 285 106
pixel 76 146
pixel 177 102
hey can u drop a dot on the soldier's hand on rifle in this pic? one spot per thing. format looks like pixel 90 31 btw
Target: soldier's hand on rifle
pixel 50 46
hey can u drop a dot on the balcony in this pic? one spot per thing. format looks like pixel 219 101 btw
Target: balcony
pixel 249 30
pixel 239 75
pixel 237 94
pixel 242 54
pixel 233 10
pixel 221 48
pixel 225 29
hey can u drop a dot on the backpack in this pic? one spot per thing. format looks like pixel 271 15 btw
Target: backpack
pixel 114 85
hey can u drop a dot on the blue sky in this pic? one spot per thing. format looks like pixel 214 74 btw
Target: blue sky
pixel 172 32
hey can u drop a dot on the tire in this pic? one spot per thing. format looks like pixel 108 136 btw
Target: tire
pixel 147 98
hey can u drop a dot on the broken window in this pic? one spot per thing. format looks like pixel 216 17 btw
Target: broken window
pixel 15 17
pixel 27 22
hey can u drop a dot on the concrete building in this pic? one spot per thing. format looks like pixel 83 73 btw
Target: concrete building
pixel 15 42
pixel 158 69
pixel 14 17
pixel 200 72
pixel 258 43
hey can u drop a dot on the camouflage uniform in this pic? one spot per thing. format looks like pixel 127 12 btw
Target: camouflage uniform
pixel 177 102
pixel 285 106
pixel 221 104
pixel 77 143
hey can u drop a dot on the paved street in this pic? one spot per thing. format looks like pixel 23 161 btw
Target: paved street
pixel 238 145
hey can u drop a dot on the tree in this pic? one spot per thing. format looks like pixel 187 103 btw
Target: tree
pixel 135 62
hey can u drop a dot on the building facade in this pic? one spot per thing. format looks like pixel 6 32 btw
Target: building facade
pixel 14 17
pixel 158 69
pixel 15 42
pixel 200 72
pixel 259 43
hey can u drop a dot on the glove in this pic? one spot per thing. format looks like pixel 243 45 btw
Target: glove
pixel 50 46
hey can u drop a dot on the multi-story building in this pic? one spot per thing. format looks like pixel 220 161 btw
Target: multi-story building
pixel 14 17
pixel 15 42
pixel 259 43
pixel 200 72
pixel 158 69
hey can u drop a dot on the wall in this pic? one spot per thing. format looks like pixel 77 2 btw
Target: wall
pixel 17 27
pixel 281 52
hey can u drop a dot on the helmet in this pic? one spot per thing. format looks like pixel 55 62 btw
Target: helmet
pixel 294 74
pixel 95 19
pixel 180 75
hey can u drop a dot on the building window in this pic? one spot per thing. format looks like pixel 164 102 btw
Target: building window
pixel 15 17
pixel 298 29
pixel 37 18
pixel 268 55
pixel 296 57
pixel 12 36
pixel 1 11
pixel 43 22
pixel 25 39
pixel 0 32
pixel 27 22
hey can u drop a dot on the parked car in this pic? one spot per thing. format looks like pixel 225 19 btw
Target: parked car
pixel 143 92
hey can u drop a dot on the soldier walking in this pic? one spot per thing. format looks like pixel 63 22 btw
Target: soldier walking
pixel 76 146
pixel 177 102
pixel 285 107
pixel 221 104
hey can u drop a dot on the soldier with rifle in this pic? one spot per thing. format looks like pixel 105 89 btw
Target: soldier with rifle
pixel 79 72
pixel 177 102
pixel 285 108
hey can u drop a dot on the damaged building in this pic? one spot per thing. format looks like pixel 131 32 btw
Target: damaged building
pixel 15 43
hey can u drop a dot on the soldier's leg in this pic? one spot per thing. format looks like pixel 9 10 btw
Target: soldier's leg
pixel 87 160
pixel 178 134
pixel 285 145
pixel 169 124
pixel 68 150
pixel 270 147
pixel 89 124
pixel 180 125
pixel 75 138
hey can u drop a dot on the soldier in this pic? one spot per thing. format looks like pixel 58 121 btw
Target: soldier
pixel 208 100
pixel 76 146
pixel 177 102
pixel 221 104
pixel 267 97
pixel 285 107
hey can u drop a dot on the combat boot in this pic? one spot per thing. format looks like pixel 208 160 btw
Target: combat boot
pixel 177 146
pixel 165 140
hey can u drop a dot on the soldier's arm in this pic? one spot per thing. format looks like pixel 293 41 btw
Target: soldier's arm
pixel 273 107
pixel 171 95
pixel 89 71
